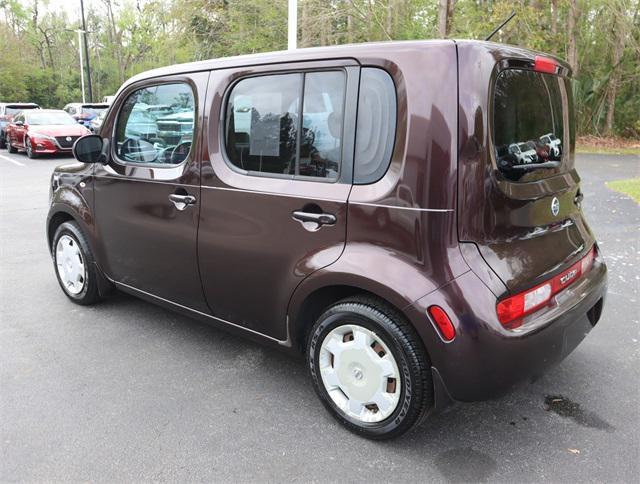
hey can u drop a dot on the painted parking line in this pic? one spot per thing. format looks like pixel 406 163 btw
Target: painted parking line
pixel 12 161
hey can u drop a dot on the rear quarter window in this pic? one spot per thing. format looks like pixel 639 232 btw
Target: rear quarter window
pixel 376 125
pixel 528 124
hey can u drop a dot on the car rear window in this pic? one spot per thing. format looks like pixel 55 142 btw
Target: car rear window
pixel 528 124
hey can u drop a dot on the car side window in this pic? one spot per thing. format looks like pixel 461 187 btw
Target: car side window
pixel 287 124
pixel 156 125
pixel 376 125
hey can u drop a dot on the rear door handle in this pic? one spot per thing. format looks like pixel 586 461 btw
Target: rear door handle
pixel 182 201
pixel 319 218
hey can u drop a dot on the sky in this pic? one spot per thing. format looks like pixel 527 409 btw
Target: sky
pixel 72 7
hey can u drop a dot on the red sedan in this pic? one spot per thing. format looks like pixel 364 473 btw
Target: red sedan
pixel 43 132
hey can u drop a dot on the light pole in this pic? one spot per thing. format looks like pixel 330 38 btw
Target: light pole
pixel 86 53
pixel 80 32
pixel 293 25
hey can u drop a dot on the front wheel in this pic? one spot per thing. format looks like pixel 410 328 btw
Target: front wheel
pixel 74 264
pixel 29 147
pixel 369 368
pixel 10 148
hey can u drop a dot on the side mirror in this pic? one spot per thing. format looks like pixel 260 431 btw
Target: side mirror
pixel 90 149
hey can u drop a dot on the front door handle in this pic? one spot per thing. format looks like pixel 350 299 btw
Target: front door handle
pixel 182 201
pixel 318 219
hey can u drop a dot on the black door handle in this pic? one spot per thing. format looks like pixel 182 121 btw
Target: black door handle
pixel 182 201
pixel 319 218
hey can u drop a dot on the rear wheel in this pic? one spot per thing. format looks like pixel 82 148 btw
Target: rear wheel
pixel 74 264
pixel 3 142
pixel 9 146
pixel 29 147
pixel 369 368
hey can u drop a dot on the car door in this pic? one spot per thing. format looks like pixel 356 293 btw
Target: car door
pixel 17 130
pixel 275 185
pixel 147 196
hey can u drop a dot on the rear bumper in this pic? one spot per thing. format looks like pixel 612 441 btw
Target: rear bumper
pixel 485 360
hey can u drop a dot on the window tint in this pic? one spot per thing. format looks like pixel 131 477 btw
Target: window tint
pixel 156 124
pixel 528 124
pixel 266 132
pixel 376 125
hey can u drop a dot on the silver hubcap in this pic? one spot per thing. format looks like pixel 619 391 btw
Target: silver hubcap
pixel 359 373
pixel 70 264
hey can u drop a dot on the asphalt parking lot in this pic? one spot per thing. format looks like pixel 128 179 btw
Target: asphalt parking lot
pixel 126 391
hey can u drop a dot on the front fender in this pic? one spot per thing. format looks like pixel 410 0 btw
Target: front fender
pixel 70 198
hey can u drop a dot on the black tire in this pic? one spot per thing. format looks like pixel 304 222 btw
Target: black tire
pixel 89 293
pixel 29 147
pixel 3 141
pixel 10 148
pixel 413 364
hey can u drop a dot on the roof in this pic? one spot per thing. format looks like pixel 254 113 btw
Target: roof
pixel 347 51
pixel 360 53
pixel 18 104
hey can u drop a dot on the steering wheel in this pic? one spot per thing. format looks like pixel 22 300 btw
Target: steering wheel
pixel 175 152
pixel 128 147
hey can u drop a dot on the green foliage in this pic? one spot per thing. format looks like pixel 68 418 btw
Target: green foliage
pixel 40 52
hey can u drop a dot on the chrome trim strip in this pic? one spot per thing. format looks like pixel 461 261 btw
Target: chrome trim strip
pixel 280 342
pixel 417 209
pixel 329 199
pixel 160 182
pixel 289 195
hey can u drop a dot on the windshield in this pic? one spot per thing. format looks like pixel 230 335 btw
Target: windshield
pixel 13 110
pixel 92 110
pixel 36 118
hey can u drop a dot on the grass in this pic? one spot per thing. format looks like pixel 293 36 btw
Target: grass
pixel 606 150
pixel 608 145
pixel 630 187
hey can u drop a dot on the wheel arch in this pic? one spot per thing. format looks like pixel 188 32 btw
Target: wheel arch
pixel 310 299
pixel 73 208
pixel 55 220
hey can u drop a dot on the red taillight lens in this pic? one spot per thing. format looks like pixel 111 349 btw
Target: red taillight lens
pixel 444 324
pixel 511 309
pixel 545 64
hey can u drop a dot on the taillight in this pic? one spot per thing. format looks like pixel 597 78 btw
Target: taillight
pixel 444 324
pixel 545 64
pixel 512 309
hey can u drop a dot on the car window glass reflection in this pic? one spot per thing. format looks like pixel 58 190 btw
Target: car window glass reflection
pixel 321 140
pixel 156 125
pixel 262 123
pixel 267 132
pixel 528 124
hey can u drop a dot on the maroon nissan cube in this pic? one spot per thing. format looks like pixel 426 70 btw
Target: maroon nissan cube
pixel 406 215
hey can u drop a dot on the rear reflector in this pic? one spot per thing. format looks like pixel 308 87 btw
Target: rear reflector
pixel 444 324
pixel 545 64
pixel 511 309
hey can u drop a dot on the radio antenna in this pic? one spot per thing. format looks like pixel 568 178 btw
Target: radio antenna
pixel 513 14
